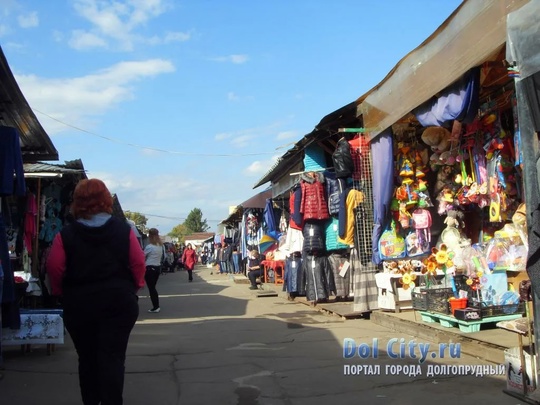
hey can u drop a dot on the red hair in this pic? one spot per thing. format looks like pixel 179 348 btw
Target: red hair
pixel 91 197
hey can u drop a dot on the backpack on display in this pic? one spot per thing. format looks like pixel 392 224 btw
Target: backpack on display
pixel 342 159
pixel 420 239
pixel 391 243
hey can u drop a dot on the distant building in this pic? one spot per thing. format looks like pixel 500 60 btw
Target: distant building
pixel 198 239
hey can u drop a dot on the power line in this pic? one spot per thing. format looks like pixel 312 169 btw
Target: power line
pixel 172 152
pixel 172 218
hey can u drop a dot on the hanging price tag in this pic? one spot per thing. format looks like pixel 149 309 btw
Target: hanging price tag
pixel 311 231
pixel 313 264
pixel 335 226
pixel 344 268
pixel 293 264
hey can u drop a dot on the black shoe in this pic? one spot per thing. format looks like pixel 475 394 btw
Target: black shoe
pixel 253 288
pixel 190 281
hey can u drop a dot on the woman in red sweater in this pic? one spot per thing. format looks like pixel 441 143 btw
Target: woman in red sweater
pixel 189 258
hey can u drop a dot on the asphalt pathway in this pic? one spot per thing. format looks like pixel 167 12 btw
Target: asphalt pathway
pixel 216 342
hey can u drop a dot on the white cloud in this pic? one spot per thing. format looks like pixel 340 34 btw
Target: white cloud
pixel 239 59
pixel 231 96
pixel 236 59
pixel 256 138
pixel 115 24
pixel 29 20
pixel 166 207
pixel 58 36
pixel 177 37
pixel 260 167
pixel 287 135
pixel 222 136
pixel 75 100
pixel 84 40
pixel 4 30
pixel 241 141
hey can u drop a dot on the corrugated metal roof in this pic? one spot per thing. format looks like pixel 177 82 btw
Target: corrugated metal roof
pixel 257 201
pixel 327 127
pixel 15 112
pixel 40 167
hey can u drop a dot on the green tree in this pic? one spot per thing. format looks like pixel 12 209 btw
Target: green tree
pixel 195 222
pixel 179 231
pixel 139 219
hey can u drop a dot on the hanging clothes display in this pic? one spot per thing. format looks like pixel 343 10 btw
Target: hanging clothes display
pixel 296 219
pixel 342 281
pixel 293 274
pixel 50 212
pixel 350 201
pixel 313 205
pixel 313 233
pixel 11 164
pixel 364 284
pixel 30 222
pixel 334 191
pixel 317 278
pixel 331 235
pixel 251 230
pixel 270 223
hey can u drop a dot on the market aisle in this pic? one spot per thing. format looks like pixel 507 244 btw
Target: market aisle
pixel 214 342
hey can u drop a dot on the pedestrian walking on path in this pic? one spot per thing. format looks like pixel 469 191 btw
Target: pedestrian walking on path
pixel 189 258
pixel 154 254
pixel 97 265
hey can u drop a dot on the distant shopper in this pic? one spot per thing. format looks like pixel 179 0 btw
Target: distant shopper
pixel 154 254
pixel 189 258
pixel 254 268
pixel 96 264
pixel 223 260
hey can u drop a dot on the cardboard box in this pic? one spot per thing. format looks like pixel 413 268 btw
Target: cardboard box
pixel 468 314
pixel 514 374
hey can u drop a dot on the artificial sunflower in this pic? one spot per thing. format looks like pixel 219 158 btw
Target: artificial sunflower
pixel 443 257
pixel 430 266
pixel 407 280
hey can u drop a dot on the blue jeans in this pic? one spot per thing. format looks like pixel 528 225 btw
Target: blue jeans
pixel 223 267
pixel 236 262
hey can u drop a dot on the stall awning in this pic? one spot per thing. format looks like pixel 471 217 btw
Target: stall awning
pixel 15 112
pixel 257 201
pixel 472 34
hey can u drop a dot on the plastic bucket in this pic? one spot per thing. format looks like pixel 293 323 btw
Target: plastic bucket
pixel 457 303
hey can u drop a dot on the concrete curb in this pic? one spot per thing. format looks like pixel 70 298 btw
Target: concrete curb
pixel 469 344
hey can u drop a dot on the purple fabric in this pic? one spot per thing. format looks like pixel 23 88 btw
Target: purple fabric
pixel 383 186
pixel 458 101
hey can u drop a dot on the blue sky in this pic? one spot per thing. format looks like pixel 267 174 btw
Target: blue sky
pixel 186 104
